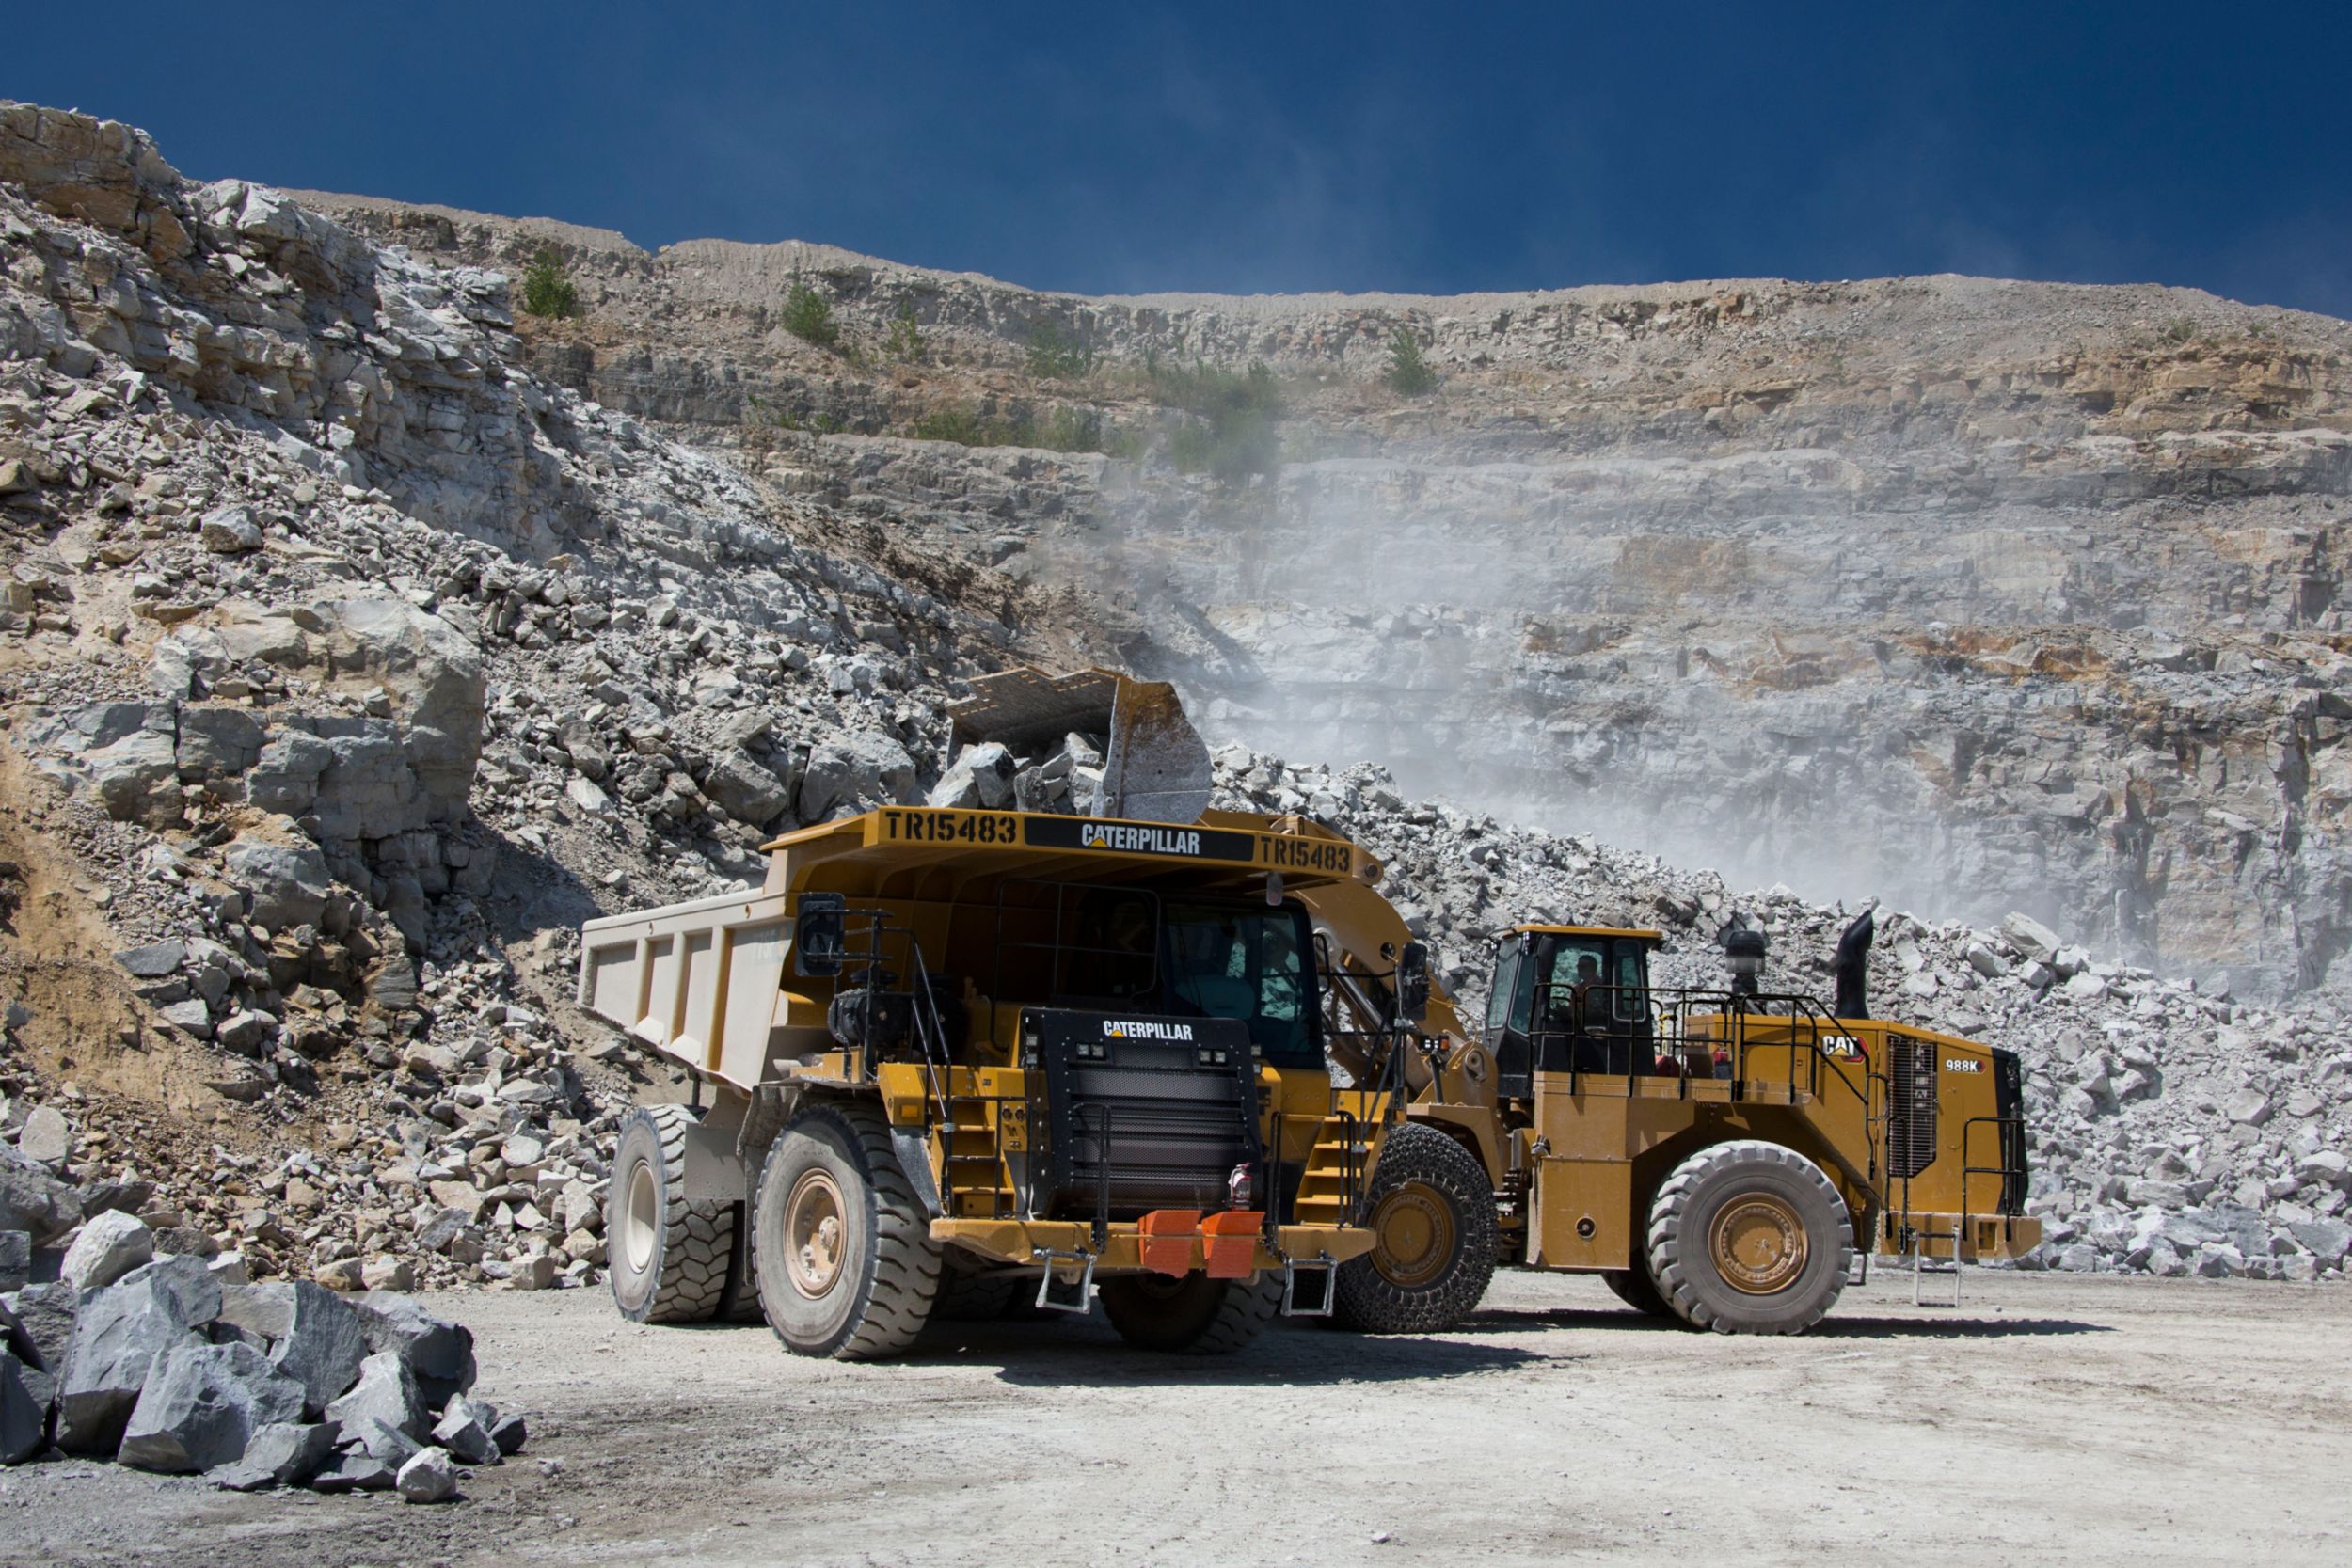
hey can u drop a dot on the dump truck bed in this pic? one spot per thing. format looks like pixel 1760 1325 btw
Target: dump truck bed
pixel 700 981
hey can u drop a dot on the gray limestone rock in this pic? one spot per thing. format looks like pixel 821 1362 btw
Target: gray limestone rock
pixel 438 1354
pixel 24 1398
pixel 354 1471
pixel 283 1454
pixel 42 1317
pixel 121 1335
pixel 428 1478
pixel 284 886
pixel 386 1394
pixel 202 1406
pixel 108 1246
pixel 33 1200
pixel 462 1432
pixel 323 1345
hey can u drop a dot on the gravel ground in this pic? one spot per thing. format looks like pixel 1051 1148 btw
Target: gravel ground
pixel 2087 1420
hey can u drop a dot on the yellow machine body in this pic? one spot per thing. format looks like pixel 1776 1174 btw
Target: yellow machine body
pixel 712 985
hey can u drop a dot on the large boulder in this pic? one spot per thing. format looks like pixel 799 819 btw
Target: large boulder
pixel 851 772
pixel 283 1454
pixel 438 1352
pixel 285 885
pixel 25 1393
pixel 41 1319
pixel 746 789
pixel 203 1405
pixel 386 1395
pixel 34 1201
pixel 109 1247
pixel 324 1344
pixel 981 776
pixel 121 1335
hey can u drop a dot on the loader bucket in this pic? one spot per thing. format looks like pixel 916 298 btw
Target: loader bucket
pixel 1156 767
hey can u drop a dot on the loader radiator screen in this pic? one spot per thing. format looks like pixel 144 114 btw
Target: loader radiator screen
pixel 1144 1112
pixel 2008 1103
pixel 1911 1069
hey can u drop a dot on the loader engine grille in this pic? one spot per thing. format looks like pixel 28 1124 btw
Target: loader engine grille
pixel 1910 1106
pixel 1144 1112
pixel 2009 1104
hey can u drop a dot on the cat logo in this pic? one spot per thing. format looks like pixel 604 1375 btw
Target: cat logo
pixel 1096 838
pixel 1844 1048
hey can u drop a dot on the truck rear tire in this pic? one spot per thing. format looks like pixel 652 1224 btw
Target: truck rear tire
pixel 667 1254
pixel 1635 1287
pixel 1193 1315
pixel 846 1264
pixel 1750 1238
pixel 1432 1209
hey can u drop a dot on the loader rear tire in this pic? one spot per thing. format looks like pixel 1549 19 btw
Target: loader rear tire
pixel 1635 1287
pixel 1750 1238
pixel 1193 1315
pixel 667 1254
pixel 1432 1207
pixel 846 1264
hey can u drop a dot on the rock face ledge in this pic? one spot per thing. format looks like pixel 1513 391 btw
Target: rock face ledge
pixel 1992 595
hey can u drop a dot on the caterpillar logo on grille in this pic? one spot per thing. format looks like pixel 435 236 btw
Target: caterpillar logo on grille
pixel 1146 1029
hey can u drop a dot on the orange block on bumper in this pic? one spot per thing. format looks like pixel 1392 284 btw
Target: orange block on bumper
pixel 1229 1243
pixel 1170 1239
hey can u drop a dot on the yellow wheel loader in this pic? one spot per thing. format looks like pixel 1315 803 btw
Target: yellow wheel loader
pixel 947 1054
pixel 1720 1157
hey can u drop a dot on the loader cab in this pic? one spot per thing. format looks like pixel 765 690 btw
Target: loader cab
pixel 1571 999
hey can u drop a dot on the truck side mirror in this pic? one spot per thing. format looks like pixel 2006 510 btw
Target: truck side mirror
pixel 1412 983
pixel 819 934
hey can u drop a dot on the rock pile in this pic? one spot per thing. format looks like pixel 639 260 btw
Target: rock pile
pixel 2174 1130
pixel 176 1363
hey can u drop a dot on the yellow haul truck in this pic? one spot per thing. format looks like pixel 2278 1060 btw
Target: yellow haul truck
pixel 944 1054
pixel 1719 1157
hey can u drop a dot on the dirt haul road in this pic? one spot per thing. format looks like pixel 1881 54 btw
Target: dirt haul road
pixel 2051 1419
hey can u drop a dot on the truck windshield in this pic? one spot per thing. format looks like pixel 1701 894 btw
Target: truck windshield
pixel 1245 964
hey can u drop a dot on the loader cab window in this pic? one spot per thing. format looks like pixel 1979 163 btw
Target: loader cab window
pixel 1246 963
pixel 1499 1001
pixel 1594 983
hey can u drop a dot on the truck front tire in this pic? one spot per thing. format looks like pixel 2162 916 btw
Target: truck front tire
pixel 845 1262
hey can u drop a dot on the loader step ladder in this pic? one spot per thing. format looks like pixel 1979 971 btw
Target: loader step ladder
pixel 1321 1276
pixel 1923 1267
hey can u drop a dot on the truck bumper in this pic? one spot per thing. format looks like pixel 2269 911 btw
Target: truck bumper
pixel 1973 1238
pixel 1029 1241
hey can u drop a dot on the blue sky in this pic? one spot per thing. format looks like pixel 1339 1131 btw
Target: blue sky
pixel 1285 147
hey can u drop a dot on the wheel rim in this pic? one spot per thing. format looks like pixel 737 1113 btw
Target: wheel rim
pixel 641 1218
pixel 1415 1227
pixel 1758 1244
pixel 814 1233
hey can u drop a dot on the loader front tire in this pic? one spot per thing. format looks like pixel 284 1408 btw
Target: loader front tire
pixel 1433 1210
pixel 667 1254
pixel 845 1265
pixel 1193 1315
pixel 1750 1238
